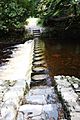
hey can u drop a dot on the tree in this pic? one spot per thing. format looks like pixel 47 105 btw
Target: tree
pixel 61 16
pixel 12 14
pixel 50 9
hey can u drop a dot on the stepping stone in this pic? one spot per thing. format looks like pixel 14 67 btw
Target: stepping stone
pixel 37 63
pixel 38 80
pixel 37 83
pixel 39 69
pixel 39 58
pixel 38 54
pixel 39 112
pixel 39 77
pixel 37 46
pixel 41 90
pixel 38 49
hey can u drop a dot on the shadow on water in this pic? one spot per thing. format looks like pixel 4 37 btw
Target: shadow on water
pixel 63 58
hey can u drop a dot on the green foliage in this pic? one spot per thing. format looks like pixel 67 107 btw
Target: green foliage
pixel 62 17
pixel 12 14
pixel 50 9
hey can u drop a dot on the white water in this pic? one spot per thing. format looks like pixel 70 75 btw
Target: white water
pixel 33 25
pixel 19 66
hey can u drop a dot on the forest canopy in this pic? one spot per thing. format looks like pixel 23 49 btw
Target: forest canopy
pixel 54 9
pixel 13 13
pixel 62 17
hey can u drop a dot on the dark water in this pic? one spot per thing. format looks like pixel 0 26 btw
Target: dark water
pixel 63 58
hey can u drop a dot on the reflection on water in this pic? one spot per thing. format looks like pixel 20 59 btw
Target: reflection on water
pixel 63 58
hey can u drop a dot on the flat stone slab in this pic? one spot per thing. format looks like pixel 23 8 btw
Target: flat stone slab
pixel 36 99
pixel 42 90
pixel 39 69
pixel 39 62
pixel 38 58
pixel 39 54
pixel 67 87
pixel 41 95
pixel 41 103
pixel 39 77
pixel 38 49
pixel 11 97
pixel 38 112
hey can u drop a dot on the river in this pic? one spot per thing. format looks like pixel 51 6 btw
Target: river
pixel 16 61
pixel 63 58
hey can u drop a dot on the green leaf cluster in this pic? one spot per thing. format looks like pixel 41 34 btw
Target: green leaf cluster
pixel 50 9
pixel 12 14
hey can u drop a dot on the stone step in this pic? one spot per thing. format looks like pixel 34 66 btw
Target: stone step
pixel 38 49
pixel 41 103
pixel 38 52
pixel 37 83
pixel 41 95
pixel 38 58
pixel 37 112
pixel 39 77
pixel 38 55
pixel 38 63
pixel 39 69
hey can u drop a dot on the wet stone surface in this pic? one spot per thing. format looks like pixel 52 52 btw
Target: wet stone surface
pixel 39 69
pixel 41 95
pixel 39 77
pixel 37 63
pixel 38 58
pixel 38 55
pixel 41 102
